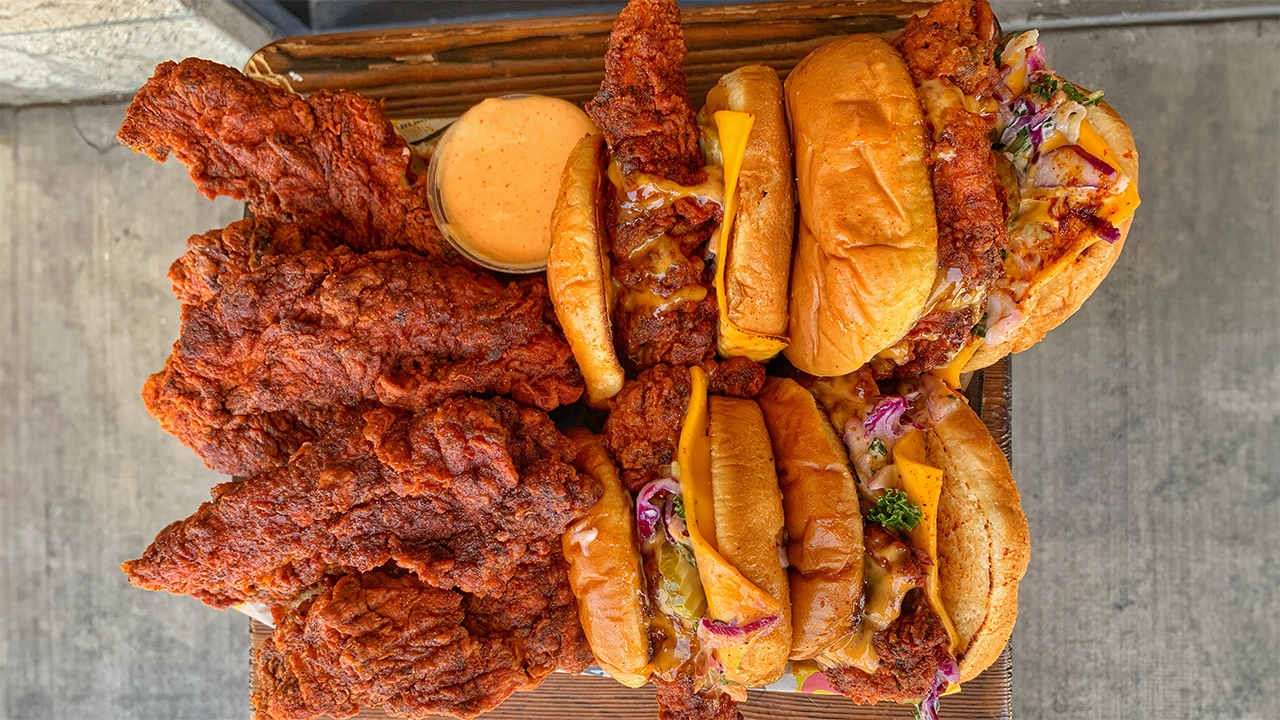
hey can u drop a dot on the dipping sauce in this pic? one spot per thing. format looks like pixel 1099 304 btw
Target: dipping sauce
pixel 495 175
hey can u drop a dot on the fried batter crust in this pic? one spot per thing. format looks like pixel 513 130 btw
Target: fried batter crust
pixel 909 649
pixel 269 341
pixel 643 105
pixel 380 640
pixel 643 427
pixel 459 494
pixel 643 108
pixel 909 652
pixel 332 159
pixel 955 43
pixel 956 39
pixel 678 701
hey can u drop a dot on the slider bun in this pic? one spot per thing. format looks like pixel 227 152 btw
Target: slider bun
pixel 867 250
pixel 578 270
pixel 983 541
pixel 759 258
pixel 823 520
pixel 605 570
pixel 1050 302
pixel 748 516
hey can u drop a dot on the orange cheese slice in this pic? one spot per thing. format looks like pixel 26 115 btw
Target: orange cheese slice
pixel 734 128
pixel 731 597
pixel 923 485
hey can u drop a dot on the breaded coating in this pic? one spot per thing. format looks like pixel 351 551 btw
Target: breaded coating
pixel 643 106
pixel 666 313
pixel 267 341
pixel 954 45
pixel 678 701
pixel 459 494
pixel 332 159
pixel 383 640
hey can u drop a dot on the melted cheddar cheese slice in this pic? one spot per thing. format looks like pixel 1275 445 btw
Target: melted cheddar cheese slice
pixel 731 597
pixel 923 485
pixel 733 129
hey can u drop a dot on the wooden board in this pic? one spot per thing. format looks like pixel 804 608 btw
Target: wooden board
pixel 441 70
pixel 437 72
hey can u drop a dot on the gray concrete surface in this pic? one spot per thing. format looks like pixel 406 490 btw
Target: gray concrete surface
pixel 1144 428
pixel 72 50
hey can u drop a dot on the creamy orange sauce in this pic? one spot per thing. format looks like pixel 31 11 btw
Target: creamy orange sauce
pixel 497 175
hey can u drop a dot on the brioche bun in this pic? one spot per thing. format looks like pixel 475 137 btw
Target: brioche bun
pixel 749 521
pixel 1050 301
pixel 759 257
pixel 823 520
pixel 866 254
pixel 605 571
pixel 983 541
pixel 578 270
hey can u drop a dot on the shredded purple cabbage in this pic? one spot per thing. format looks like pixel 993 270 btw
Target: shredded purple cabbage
pixel 721 634
pixel 948 672
pixel 888 417
pixel 648 514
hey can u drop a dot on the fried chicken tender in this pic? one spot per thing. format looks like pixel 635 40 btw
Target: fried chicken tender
pixel 678 701
pixel 643 105
pixel 910 649
pixel 269 341
pixel 644 421
pixel 381 640
pixel 953 47
pixel 643 108
pixel 459 494
pixel 332 159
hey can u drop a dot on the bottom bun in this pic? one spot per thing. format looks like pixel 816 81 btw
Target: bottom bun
pixel 983 541
pixel 824 520
pixel 605 570
pixel 748 520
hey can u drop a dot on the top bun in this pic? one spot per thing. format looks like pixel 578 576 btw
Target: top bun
pixel 578 271
pixel 759 258
pixel 866 255
pixel 749 530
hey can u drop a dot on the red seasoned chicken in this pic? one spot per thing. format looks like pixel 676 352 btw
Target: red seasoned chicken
pixel 459 494
pixel 269 342
pixel 332 159
pixel 665 313
pixel 951 54
pixel 389 641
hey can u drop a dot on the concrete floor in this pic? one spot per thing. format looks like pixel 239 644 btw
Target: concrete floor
pixel 1144 429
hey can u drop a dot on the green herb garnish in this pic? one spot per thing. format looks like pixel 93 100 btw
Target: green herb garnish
pixel 895 511
pixel 1045 87
pixel 980 330
pixel 877 448
pixel 677 504
pixel 1075 93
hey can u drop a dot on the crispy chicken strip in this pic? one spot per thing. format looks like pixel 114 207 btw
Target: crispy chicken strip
pixel 389 641
pixel 909 649
pixel 459 494
pixel 643 106
pixel 644 421
pixel 678 701
pixel 950 52
pixel 665 313
pixel 269 341
pixel 332 159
